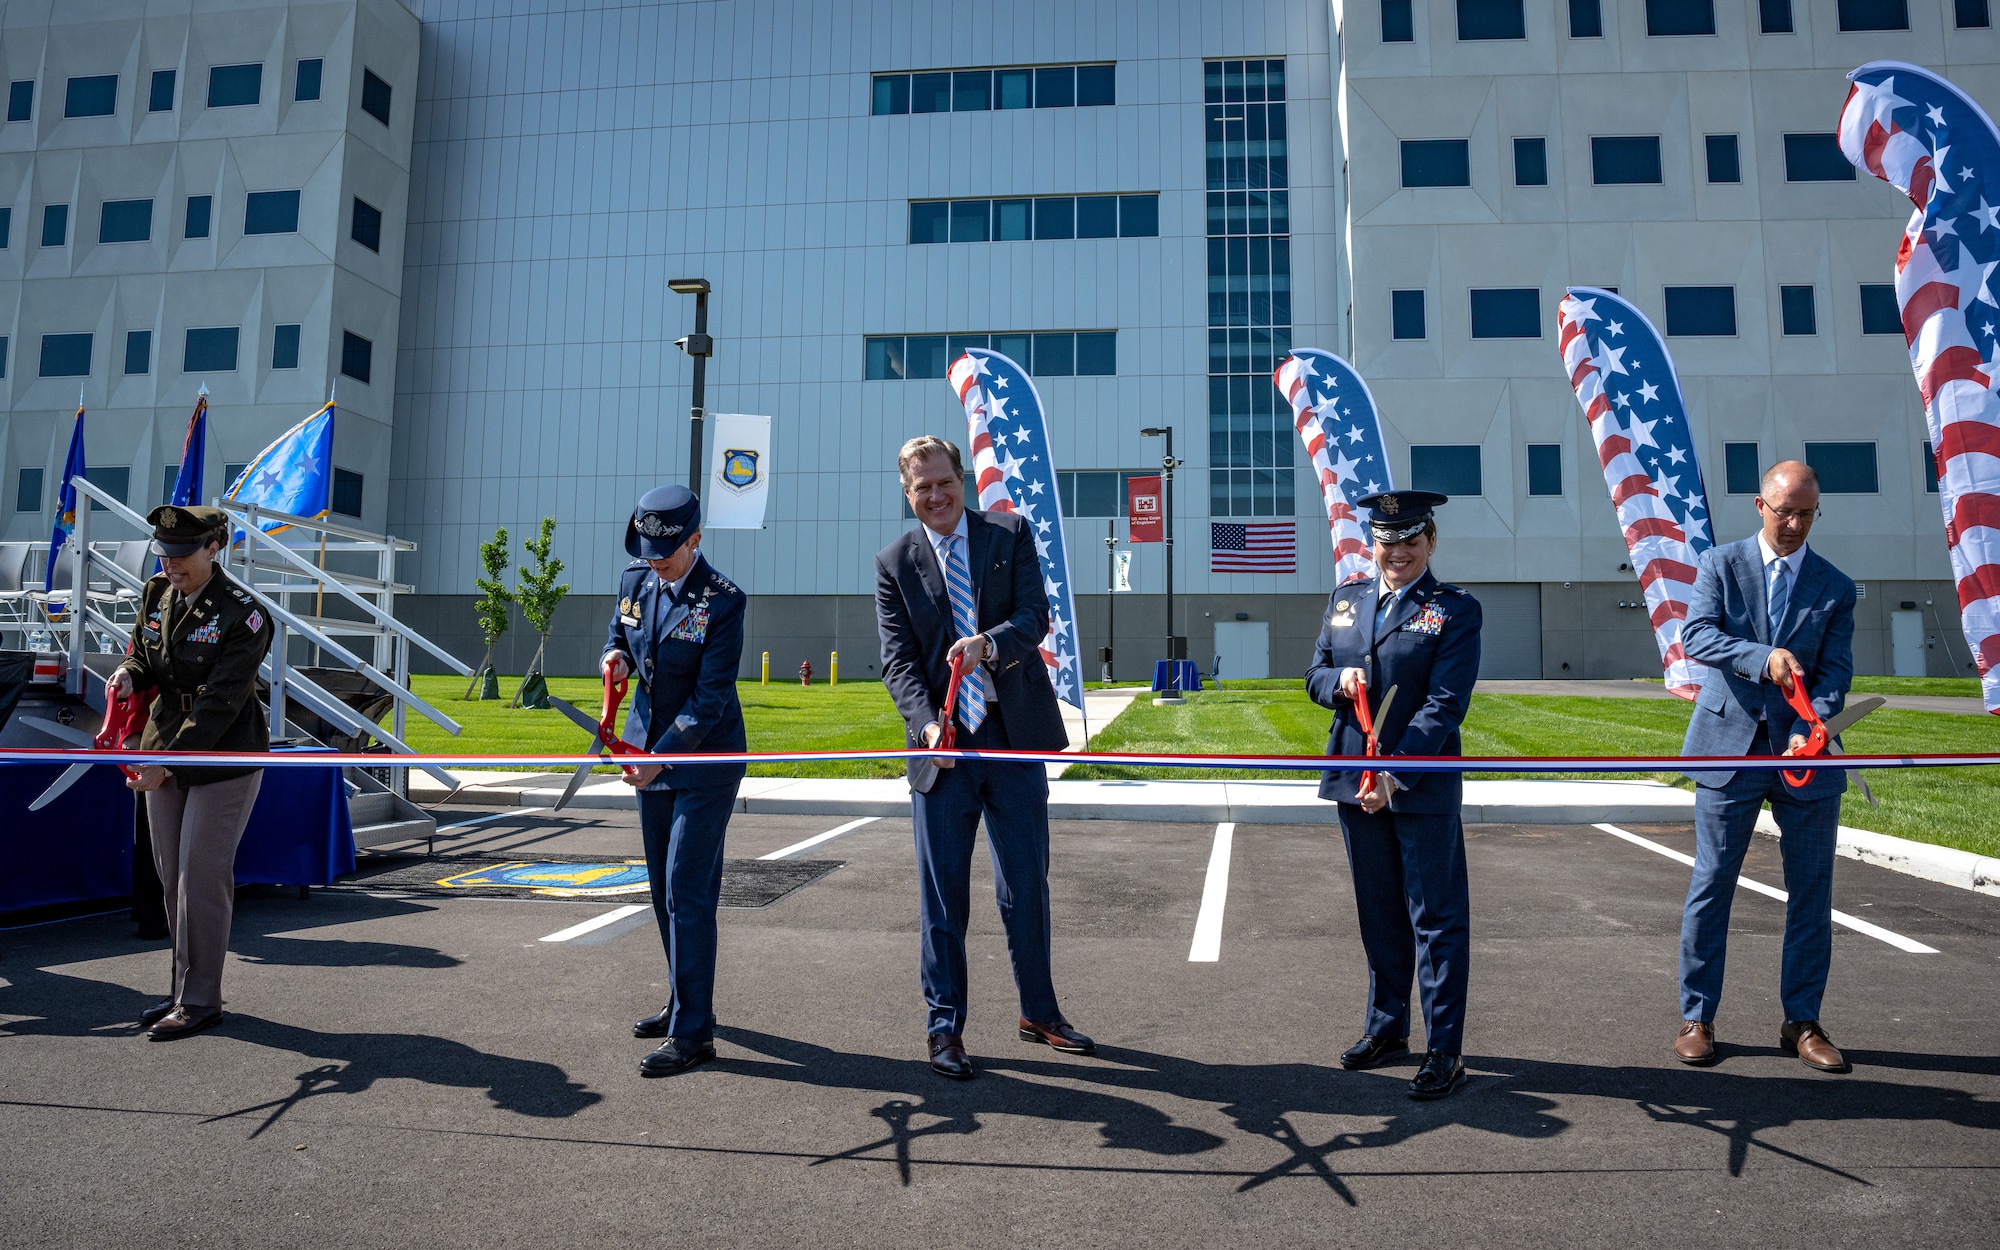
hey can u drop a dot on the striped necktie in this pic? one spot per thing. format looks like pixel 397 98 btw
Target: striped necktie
pixel 972 690
pixel 1781 596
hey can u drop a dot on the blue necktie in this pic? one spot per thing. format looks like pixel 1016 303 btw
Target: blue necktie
pixel 1781 596
pixel 972 690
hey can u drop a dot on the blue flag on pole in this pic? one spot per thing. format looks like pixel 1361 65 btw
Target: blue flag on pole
pixel 187 486
pixel 73 468
pixel 294 474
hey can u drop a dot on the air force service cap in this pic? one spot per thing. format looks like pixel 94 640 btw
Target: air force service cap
pixel 1396 515
pixel 182 531
pixel 666 517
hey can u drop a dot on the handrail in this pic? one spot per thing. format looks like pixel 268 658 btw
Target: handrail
pixel 314 696
pixel 252 512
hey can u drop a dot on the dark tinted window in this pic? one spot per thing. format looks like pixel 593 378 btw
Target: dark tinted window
pixel 1930 470
pixel 1015 347
pixel 305 80
pixel 271 212
pixel 1055 355
pixel 357 356
pixel 6 227
pixel 96 96
pixel 930 93
pixel 1013 220
pixel 1816 158
pixel 113 480
pixel 346 493
pixel 1406 314
pixel 1096 85
pixel 366 228
pixel 925 356
pixel 211 350
pixel 1139 216
pixel 1624 160
pixel 930 221
pixel 1874 15
pixel 55 225
pixel 1879 311
pixel 1795 307
pixel 1968 15
pixel 198 208
pixel 285 347
pixel 1013 88
pixel 1437 163
pixel 892 94
pixel 1055 218
pixel 138 351
pixel 1724 164
pixel 1449 468
pixel 1586 19
pixel 1507 313
pixel 1545 469
pixel 1491 19
pixel 884 359
pixel 1531 162
pixel 21 101
pixel 65 355
pixel 1680 17
pixel 972 91
pixel 125 221
pixel 160 97
pixel 1739 466
pixel 374 96
pixel 1701 311
pixel 1097 354
pixel 1055 87
pixel 1398 24
pixel 1097 217
pixel 1844 468
pixel 230 86
pixel 28 493
pixel 969 220
pixel 1774 17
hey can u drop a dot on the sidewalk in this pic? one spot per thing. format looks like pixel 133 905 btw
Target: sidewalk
pixel 1953 704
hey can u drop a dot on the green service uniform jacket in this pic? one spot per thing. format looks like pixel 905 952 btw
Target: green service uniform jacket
pixel 202 654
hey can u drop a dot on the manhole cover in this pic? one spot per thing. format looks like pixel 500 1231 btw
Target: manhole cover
pixel 745 882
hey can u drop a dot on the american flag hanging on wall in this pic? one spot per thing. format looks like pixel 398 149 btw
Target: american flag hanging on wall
pixel 1926 138
pixel 1336 418
pixel 1014 472
pixel 1253 547
pixel 1631 397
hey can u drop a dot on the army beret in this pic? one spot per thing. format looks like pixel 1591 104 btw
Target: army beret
pixel 182 531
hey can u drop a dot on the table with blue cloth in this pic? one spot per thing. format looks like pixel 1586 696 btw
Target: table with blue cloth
pixel 1184 674
pixel 79 847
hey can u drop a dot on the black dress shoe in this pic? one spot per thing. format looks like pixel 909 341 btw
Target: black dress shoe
pixel 1440 1075
pixel 155 1013
pixel 1057 1035
pixel 676 1054
pixel 182 1022
pixel 948 1057
pixel 1372 1051
pixel 653 1026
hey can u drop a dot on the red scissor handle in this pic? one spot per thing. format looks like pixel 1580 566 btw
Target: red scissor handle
pixel 948 731
pixel 1367 717
pixel 122 719
pixel 607 727
pixel 1816 741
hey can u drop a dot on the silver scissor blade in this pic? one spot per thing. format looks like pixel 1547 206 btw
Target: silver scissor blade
pixel 1854 774
pixel 1382 711
pixel 575 713
pixel 596 747
pixel 62 783
pixel 61 733
pixel 1853 712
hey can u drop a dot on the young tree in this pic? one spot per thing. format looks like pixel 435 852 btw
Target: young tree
pixel 538 594
pixel 492 610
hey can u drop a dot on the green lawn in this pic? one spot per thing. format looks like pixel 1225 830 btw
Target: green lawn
pixel 1958 687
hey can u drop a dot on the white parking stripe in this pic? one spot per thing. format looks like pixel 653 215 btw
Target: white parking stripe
pixel 500 815
pixel 818 838
pixel 1207 947
pixel 595 923
pixel 1855 923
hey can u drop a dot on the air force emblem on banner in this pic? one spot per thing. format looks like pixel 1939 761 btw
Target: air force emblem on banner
pixel 556 880
pixel 739 468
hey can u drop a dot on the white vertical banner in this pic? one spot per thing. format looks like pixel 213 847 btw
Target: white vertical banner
pixel 739 472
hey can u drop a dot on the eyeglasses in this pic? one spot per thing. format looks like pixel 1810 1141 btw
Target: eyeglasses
pixel 1801 515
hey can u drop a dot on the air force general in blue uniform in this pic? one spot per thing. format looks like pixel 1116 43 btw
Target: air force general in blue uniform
pixel 1403 628
pixel 678 630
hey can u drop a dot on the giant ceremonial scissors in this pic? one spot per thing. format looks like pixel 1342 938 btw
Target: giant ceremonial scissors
pixel 1820 741
pixel 1368 723
pixel 123 719
pixel 927 771
pixel 603 732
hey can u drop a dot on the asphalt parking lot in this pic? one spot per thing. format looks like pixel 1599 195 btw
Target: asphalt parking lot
pixel 404 1070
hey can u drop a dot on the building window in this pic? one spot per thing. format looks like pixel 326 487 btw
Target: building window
pixel 1545 469
pixel 1531 162
pixel 21 101
pixel 210 350
pixel 972 91
pixel 1089 353
pixel 1774 17
pixel 1627 160
pixel 1930 470
pixel 28 491
pixel 197 217
pixel 1398 22
pixel 357 356
pixel 1055 218
pixel 366 228
pixel 232 86
pixel 930 93
pixel 1795 305
pixel 3 356
pixel 1816 158
pixel 374 96
pixel 1969 15
pixel 1249 212
pixel 1739 468
pixel 231 472
pixel 1874 14
pixel 1724 162
pixel 6 227
pixel 1045 217
pixel 1880 314
pixel 1586 19
pixel 1701 311
pixel 305 79
pixel 138 351
pixel 892 94
pixel 1055 355
pixel 1437 163
pixel 1055 87
pixel 113 480
pixel 285 347
pixel 1844 468
pixel 346 492
pixel 884 361
pixel 125 221
pixel 1093 492
pixel 65 355
pixel 1447 468
pixel 95 96
pixel 55 225
pixel 1680 17
pixel 981 90
pixel 1507 313
pixel 1406 314
pixel 160 96
pixel 1491 19
pixel 271 212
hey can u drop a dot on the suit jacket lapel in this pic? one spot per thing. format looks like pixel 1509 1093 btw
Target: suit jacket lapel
pixel 978 554
pixel 1750 578
pixel 677 605
pixel 928 571
pixel 189 621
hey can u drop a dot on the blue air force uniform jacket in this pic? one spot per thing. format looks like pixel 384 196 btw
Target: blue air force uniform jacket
pixel 684 653
pixel 1428 648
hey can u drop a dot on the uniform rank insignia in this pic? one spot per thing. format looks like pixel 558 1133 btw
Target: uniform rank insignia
pixel 1428 621
pixel 211 632
pixel 693 627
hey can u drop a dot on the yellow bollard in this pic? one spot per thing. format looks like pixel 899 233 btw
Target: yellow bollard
pixel 833 671
pixel 767 669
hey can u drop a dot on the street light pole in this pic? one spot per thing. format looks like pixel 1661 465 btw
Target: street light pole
pixel 1167 466
pixel 1111 588
pixel 699 346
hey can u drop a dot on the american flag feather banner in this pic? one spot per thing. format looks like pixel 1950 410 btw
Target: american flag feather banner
pixel 1336 417
pixel 1929 140
pixel 1631 396
pixel 1014 472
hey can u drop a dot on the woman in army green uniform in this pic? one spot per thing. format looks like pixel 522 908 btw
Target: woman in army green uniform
pixel 195 652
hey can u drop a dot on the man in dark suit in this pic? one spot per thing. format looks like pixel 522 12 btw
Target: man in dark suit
pixel 678 628
pixel 970 583
pixel 1765 610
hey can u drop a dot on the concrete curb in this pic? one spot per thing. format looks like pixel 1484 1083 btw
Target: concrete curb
pixel 1942 864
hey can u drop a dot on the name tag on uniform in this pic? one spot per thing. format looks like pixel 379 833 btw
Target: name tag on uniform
pixel 627 613
pixel 1343 615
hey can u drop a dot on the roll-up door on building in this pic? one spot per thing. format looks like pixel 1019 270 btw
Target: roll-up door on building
pixel 1510 643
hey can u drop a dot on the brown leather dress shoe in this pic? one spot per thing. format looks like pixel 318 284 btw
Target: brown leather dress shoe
pixel 182 1021
pixel 948 1057
pixel 1696 1044
pixel 1810 1043
pixel 1058 1035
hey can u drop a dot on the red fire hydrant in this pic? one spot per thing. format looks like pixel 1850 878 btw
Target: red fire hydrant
pixel 805 672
